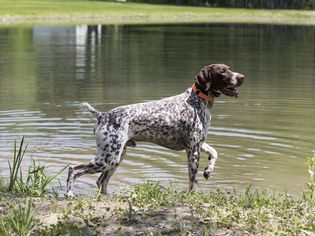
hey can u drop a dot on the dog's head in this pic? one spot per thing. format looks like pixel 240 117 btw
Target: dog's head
pixel 216 79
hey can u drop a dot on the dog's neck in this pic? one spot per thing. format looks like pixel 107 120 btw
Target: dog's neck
pixel 198 102
pixel 198 91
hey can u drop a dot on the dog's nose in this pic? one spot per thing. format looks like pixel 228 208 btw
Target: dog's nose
pixel 241 77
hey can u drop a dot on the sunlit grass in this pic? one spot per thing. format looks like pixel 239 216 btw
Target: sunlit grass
pixel 15 165
pixel 83 11
pixel 19 220
pixel 33 183
pixel 256 212
pixel 251 212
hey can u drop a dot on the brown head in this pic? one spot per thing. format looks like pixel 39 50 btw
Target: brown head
pixel 216 79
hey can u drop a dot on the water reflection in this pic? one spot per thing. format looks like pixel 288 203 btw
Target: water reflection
pixel 262 138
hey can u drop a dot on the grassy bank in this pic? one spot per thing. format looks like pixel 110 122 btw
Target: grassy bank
pixel 89 12
pixel 148 208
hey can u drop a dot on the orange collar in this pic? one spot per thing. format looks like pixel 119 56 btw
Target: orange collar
pixel 202 95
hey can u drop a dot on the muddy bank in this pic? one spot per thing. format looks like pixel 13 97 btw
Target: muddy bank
pixel 150 209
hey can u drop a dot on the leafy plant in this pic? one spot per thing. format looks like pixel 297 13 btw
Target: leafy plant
pixel 62 228
pixel 86 211
pixel 309 190
pixel 143 199
pixel 15 168
pixel 3 186
pixel 19 220
pixel 35 182
pixel 148 195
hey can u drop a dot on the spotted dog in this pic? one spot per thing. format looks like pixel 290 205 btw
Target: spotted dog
pixel 180 123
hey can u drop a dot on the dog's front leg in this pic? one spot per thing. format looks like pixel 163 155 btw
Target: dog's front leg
pixel 212 157
pixel 193 164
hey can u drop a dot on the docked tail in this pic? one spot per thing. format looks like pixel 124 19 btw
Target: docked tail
pixel 97 113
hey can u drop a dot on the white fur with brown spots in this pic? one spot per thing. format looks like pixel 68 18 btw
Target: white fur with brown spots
pixel 180 122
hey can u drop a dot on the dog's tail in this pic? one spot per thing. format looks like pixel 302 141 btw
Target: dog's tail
pixel 97 113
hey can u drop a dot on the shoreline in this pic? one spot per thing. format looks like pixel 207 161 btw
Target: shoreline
pixel 150 209
pixel 95 12
pixel 28 208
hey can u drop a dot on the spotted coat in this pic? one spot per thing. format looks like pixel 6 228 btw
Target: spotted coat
pixel 179 122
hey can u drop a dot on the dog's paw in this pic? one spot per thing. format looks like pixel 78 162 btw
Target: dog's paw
pixel 69 194
pixel 207 172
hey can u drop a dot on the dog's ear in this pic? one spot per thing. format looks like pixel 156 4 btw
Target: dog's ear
pixel 203 78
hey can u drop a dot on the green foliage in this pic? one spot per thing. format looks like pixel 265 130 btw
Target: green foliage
pixel 266 4
pixel 144 198
pixel 69 12
pixel 148 196
pixel 254 211
pixel 309 191
pixel 62 228
pixel 19 220
pixel 35 182
pixel 15 168
pixel 80 217
pixel 85 213
pixel 3 185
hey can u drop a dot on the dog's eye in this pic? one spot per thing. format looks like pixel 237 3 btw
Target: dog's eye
pixel 222 71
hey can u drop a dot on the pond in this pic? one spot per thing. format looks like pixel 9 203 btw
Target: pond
pixel 263 138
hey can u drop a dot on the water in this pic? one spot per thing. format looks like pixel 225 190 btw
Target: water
pixel 263 138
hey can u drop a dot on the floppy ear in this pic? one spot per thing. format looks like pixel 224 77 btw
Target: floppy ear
pixel 203 78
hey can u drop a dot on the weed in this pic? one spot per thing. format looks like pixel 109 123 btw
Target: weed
pixel 309 190
pixel 148 196
pixel 62 228
pixel 252 212
pixel 19 220
pixel 35 182
pixel 3 185
pixel 15 168
pixel 129 216
pixel 86 211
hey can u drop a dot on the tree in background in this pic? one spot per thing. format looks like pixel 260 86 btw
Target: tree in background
pixel 258 4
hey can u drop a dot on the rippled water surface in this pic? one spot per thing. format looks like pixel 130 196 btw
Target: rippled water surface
pixel 263 138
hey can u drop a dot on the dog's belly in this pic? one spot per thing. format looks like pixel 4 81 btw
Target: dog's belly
pixel 166 138
pixel 177 130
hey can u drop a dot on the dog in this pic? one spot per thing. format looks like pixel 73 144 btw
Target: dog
pixel 179 122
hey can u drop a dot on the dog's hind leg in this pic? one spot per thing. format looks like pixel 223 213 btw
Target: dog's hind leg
pixel 79 170
pixel 106 175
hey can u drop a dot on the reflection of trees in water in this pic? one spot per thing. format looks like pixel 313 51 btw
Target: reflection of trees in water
pixel 87 42
pixel 53 64
pixel 17 66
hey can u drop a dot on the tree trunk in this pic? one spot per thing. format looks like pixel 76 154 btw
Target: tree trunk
pixel 245 3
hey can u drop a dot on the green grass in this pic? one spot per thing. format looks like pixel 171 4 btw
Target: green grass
pixel 255 212
pixel 84 11
pixel 33 183
pixel 19 220
pixel 150 208
pixel 15 167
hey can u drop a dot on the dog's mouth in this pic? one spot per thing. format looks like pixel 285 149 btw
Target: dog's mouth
pixel 230 91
